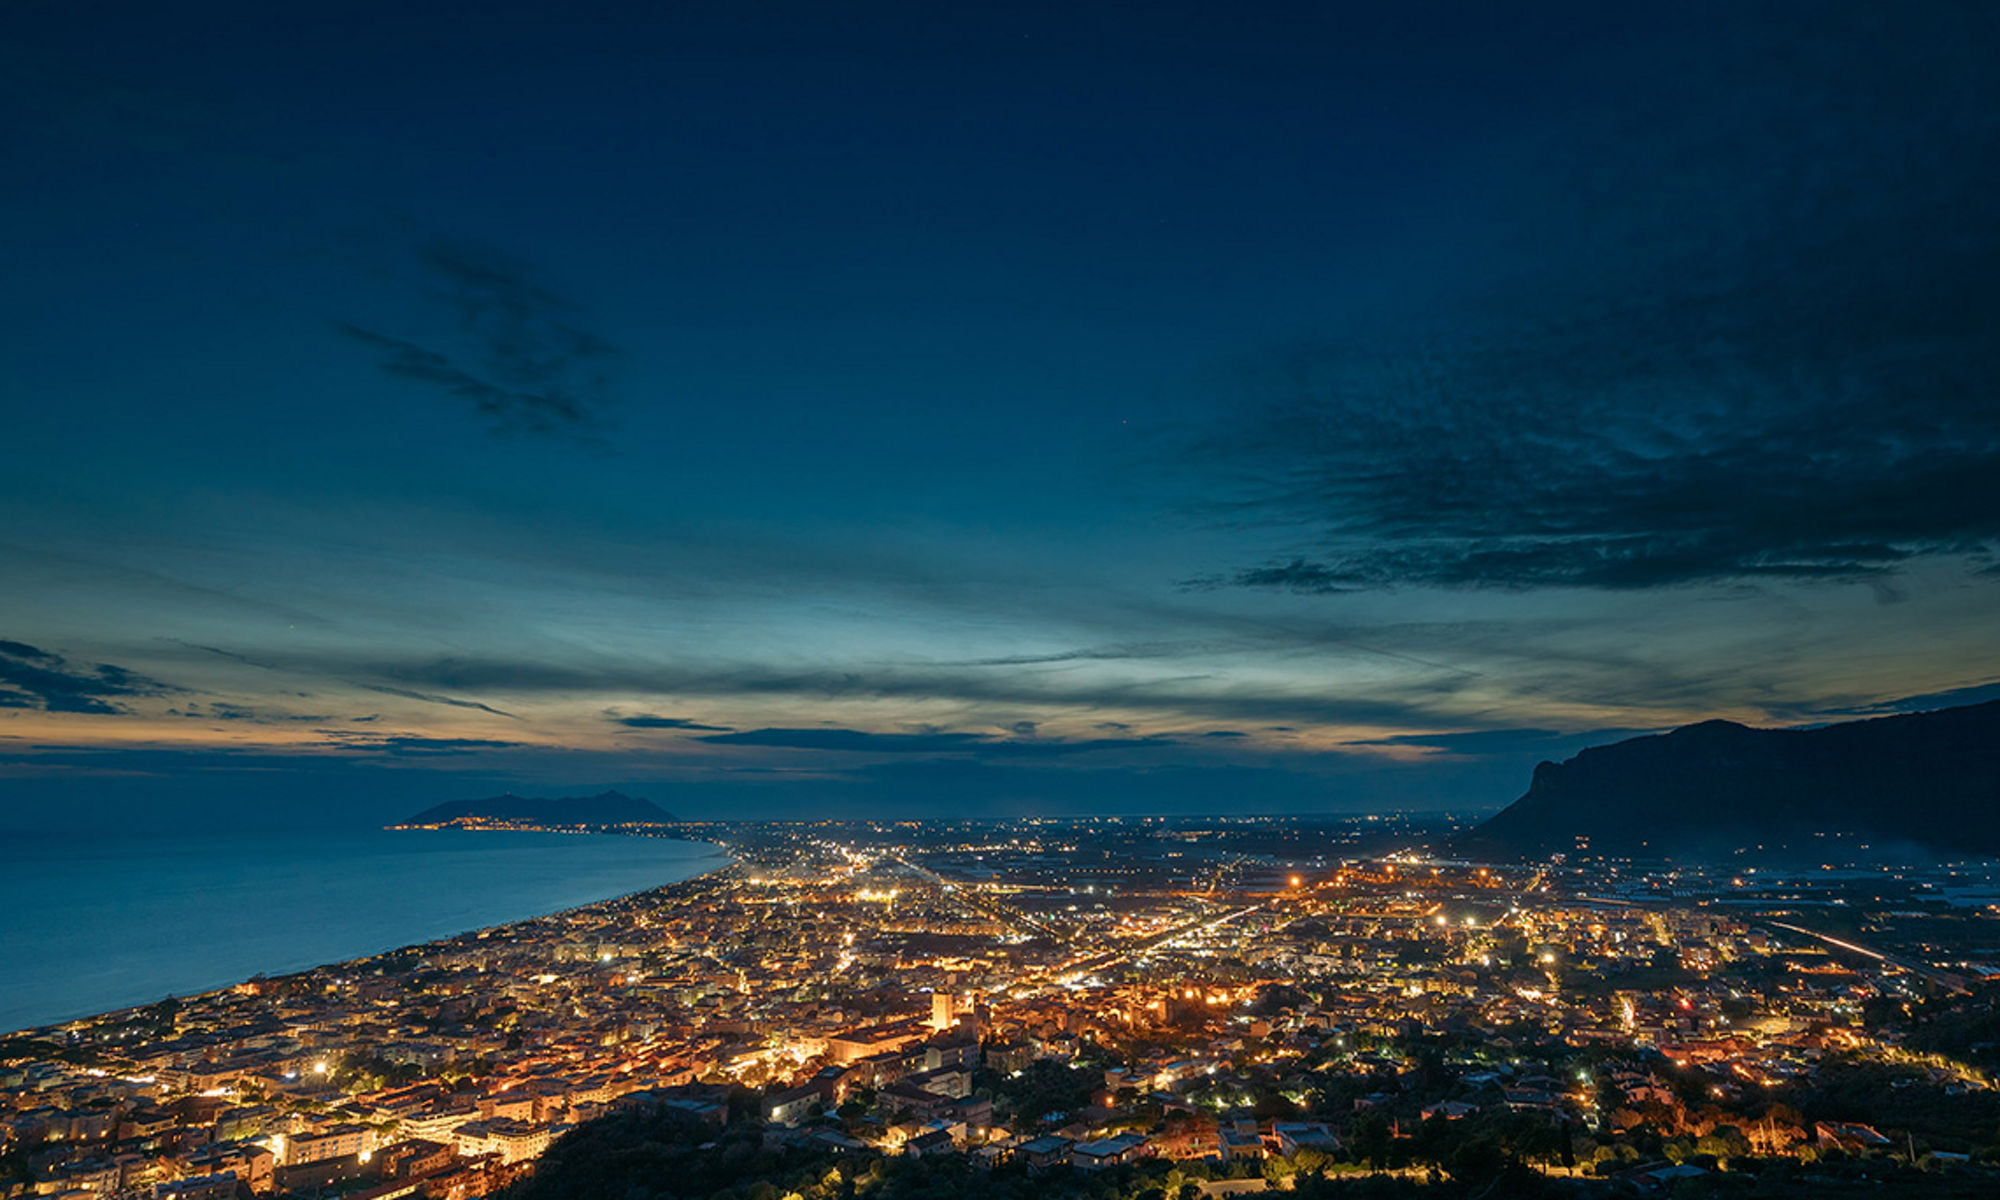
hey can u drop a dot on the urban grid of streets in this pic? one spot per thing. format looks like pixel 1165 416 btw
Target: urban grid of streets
pixel 1284 991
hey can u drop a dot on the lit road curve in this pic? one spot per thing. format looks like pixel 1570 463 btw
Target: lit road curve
pixel 1004 913
pixel 1930 973
pixel 1199 925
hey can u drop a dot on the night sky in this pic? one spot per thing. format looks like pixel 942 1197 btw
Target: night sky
pixel 778 409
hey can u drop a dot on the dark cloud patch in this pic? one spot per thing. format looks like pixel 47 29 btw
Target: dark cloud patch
pixel 851 740
pixel 1085 654
pixel 649 721
pixel 218 710
pixel 1978 693
pixel 1746 333
pixel 932 742
pixel 31 677
pixel 1298 575
pixel 1481 741
pixel 1504 742
pixel 1049 748
pixel 1244 637
pixel 518 357
pixel 219 652
pixel 450 701
pixel 412 745
pixel 1225 733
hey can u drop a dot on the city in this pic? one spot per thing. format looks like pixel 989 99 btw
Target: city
pixel 1132 600
pixel 1239 1002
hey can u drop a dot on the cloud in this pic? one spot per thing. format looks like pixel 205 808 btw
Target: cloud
pixel 933 742
pixel 649 721
pixel 1478 741
pixel 1181 697
pixel 1297 575
pixel 433 699
pixel 518 357
pixel 1244 637
pixel 412 745
pixel 1506 743
pixel 34 678
pixel 1086 654
pixel 853 740
pixel 405 693
pixel 220 710
pixel 1978 693
pixel 1745 338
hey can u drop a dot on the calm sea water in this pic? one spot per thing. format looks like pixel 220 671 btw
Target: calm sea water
pixel 90 925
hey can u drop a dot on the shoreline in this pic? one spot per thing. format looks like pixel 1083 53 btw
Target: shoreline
pixel 54 1030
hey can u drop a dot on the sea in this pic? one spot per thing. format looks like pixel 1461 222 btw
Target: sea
pixel 93 924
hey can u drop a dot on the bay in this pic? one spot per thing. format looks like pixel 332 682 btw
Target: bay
pixel 93 924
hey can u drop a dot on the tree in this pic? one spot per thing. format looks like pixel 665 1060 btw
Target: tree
pixel 1724 1141
pixel 1475 1161
pixel 1371 1141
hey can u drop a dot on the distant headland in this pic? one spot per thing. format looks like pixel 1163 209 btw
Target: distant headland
pixel 606 810
pixel 1929 780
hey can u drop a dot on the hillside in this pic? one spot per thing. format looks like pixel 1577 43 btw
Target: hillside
pixel 1929 779
pixel 605 808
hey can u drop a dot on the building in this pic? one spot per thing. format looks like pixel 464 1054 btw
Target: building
pixel 514 1141
pixel 198 1187
pixel 1108 1152
pixel 1048 1150
pixel 793 1105
pixel 335 1141
pixel 944 1010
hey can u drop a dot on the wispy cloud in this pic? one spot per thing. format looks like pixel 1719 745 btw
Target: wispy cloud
pixel 31 677
pixel 852 740
pixel 1758 347
pixel 449 701
pixel 413 745
pixel 650 721
pixel 1504 742
pixel 1181 697
pixel 222 710
pixel 518 357
pixel 979 745
pixel 1978 693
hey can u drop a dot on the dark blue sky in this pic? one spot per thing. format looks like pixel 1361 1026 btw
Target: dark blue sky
pixel 787 408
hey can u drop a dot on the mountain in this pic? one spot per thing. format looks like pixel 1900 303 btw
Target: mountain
pixel 605 808
pixel 1931 779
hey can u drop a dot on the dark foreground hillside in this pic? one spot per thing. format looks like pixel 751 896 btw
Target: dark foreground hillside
pixel 669 1156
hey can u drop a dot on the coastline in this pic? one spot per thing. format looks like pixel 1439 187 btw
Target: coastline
pixel 711 857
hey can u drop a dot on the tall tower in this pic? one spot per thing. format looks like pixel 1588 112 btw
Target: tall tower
pixel 944 1010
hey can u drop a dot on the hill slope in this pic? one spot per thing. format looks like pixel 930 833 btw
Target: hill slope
pixel 605 808
pixel 1928 778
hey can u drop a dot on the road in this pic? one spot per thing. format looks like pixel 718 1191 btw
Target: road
pixel 1931 973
